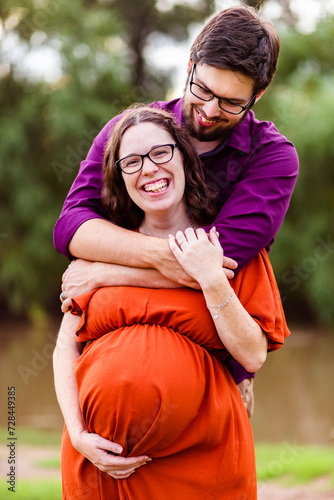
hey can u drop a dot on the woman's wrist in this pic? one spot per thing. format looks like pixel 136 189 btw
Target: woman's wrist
pixel 212 283
pixel 76 434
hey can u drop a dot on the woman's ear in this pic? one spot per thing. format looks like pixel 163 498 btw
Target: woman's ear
pixel 190 65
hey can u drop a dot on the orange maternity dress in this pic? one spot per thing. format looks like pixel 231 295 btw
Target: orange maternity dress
pixel 153 380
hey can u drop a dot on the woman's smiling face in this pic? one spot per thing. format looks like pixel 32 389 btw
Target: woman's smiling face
pixel 154 188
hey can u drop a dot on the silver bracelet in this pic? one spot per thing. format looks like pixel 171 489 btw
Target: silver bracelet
pixel 220 306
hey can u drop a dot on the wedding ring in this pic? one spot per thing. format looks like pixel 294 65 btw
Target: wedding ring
pixel 62 296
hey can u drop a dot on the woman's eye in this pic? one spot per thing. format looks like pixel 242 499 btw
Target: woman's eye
pixel 132 162
pixel 159 153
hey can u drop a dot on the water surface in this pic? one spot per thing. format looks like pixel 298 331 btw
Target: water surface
pixel 293 390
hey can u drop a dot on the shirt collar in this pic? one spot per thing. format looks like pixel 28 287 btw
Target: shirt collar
pixel 240 137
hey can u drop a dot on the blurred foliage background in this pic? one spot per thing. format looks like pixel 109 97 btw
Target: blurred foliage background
pixel 68 66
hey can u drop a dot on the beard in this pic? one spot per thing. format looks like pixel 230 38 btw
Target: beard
pixel 205 134
pixel 202 133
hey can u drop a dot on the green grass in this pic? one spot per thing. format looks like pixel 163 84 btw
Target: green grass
pixel 34 437
pixel 50 463
pixel 284 463
pixel 35 489
pixel 293 464
pixel 40 489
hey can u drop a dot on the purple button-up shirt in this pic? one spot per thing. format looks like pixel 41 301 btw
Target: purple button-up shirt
pixel 253 172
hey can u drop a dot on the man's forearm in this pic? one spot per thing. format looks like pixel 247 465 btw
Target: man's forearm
pixel 100 240
pixel 118 275
pixel 82 276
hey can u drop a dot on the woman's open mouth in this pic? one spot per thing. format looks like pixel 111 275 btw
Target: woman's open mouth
pixel 157 186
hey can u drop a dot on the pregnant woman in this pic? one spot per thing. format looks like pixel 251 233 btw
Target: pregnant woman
pixel 143 380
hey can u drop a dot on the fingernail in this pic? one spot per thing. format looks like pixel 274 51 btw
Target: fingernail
pixel 119 449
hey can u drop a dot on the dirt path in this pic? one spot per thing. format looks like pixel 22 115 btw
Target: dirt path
pixel 28 462
pixel 317 490
pixel 29 459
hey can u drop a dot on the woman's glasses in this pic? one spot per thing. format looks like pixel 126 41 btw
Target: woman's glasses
pixel 158 155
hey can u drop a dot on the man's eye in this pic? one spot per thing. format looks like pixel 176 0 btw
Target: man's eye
pixel 205 91
pixel 229 103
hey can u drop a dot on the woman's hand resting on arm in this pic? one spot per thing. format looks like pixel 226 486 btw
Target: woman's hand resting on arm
pixel 100 451
pixel 202 257
pixel 199 253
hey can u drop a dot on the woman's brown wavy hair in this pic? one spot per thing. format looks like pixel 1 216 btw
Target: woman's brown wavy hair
pixel 200 201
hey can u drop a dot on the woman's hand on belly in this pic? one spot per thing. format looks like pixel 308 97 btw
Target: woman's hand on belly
pixel 104 454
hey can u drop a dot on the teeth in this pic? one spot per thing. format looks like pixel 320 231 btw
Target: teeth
pixel 205 120
pixel 156 187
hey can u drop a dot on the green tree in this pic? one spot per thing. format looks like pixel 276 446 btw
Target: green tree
pixel 48 124
pixel 301 103
pixel 45 128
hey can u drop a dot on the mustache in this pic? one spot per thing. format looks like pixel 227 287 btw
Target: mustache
pixel 216 120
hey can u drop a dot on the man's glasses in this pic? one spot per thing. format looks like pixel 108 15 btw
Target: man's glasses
pixel 158 155
pixel 207 95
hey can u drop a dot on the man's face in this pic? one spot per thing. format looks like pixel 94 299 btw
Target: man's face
pixel 205 120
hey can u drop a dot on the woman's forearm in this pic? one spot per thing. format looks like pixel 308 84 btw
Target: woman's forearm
pixel 240 333
pixel 93 446
pixel 65 355
pixel 202 257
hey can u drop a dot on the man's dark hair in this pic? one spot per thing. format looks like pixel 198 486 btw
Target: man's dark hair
pixel 237 39
pixel 201 202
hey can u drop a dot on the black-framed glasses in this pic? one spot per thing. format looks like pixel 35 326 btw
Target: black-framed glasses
pixel 224 104
pixel 158 155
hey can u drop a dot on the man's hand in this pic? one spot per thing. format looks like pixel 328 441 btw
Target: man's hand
pixel 82 276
